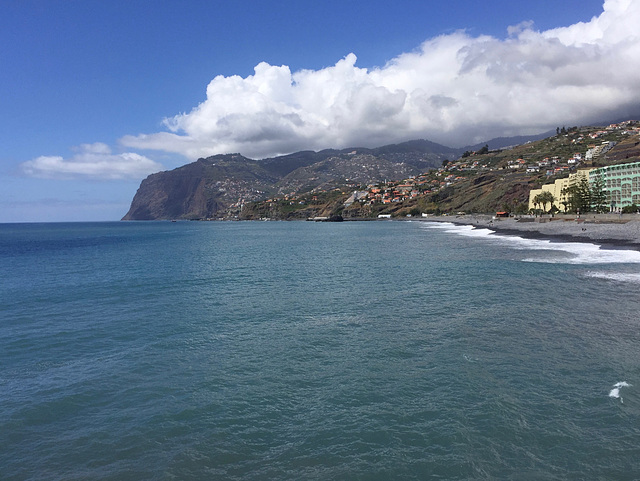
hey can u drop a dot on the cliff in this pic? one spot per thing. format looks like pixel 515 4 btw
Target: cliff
pixel 218 186
pixel 201 190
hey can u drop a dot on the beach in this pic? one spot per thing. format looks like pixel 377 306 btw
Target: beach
pixel 611 230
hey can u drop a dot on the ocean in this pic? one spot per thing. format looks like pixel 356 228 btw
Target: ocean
pixel 315 351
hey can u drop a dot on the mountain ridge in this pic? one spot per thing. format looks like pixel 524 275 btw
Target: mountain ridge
pixel 211 187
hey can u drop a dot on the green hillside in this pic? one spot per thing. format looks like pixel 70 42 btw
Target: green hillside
pixel 481 182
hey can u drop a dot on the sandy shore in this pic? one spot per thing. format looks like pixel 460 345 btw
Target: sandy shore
pixel 599 231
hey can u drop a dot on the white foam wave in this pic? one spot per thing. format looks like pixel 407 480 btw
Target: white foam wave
pixel 437 225
pixel 583 253
pixel 464 230
pixel 615 276
pixel 615 392
pixel 577 252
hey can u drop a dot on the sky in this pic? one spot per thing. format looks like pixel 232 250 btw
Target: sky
pixel 96 95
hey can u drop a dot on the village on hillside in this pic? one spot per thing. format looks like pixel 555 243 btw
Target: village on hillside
pixel 548 165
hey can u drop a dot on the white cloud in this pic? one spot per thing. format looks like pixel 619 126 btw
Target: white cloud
pixel 92 161
pixel 455 89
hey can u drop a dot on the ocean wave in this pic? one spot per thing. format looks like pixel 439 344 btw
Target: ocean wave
pixel 615 276
pixel 438 225
pixel 584 253
pixel 578 252
pixel 615 392
pixel 459 229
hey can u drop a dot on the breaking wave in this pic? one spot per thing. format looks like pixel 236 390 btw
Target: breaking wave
pixel 577 252
pixel 615 392
pixel 616 276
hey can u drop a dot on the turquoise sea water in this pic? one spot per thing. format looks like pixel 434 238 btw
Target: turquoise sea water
pixel 291 351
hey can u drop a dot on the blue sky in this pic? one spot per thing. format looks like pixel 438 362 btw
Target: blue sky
pixel 96 95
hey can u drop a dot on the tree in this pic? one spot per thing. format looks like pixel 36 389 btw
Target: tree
pixel 483 150
pixel 584 194
pixel 506 207
pixel 536 201
pixel 547 197
pixel 544 198
pixel 598 195
pixel 520 208
pixel 568 194
pixel 579 195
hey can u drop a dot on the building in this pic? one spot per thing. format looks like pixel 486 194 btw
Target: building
pixel 596 151
pixel 558 190
pixel 621 183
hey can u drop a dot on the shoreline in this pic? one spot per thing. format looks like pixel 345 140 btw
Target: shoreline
pixel 606 234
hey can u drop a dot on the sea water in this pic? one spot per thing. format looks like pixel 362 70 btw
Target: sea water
pixel 321 351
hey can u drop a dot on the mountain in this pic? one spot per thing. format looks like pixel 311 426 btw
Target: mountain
pixel 220 186
pixel 506 142
pixel 480 181
pixel 216 186
pixel 201 189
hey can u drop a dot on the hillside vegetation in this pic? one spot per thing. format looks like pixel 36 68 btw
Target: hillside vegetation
pixel 477 182
pixel 401 179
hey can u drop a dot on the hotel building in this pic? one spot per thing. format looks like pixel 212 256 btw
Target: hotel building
pixel 621 184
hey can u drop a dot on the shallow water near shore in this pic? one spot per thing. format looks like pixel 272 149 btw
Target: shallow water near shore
pixel 273 350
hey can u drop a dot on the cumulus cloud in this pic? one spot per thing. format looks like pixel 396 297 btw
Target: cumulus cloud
pixel 455 89
pixel 92 161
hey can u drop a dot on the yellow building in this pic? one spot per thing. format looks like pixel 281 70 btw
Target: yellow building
pixel 557 189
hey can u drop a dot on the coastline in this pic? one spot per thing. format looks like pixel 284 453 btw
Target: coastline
pixel 601 231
